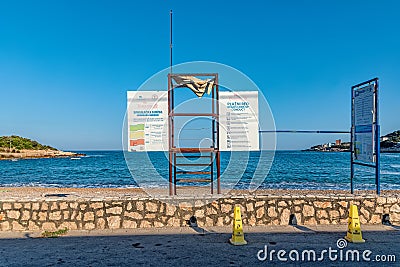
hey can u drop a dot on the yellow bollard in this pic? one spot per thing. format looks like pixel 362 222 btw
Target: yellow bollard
pixel 354 229
pixel 237 235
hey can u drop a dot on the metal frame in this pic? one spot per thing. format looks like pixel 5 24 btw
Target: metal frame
pixel 375 133
pixel 215 157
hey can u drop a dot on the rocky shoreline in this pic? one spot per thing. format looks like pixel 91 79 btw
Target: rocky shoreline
pixel 37 154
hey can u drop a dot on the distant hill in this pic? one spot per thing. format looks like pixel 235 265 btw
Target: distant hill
pixel 389 143
pixel 17 143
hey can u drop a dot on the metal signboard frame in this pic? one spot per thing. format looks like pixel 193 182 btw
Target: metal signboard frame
pixel 375 130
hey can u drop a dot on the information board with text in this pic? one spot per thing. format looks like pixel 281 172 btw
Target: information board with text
pixel 147 121
pixel 363 123
pixel 238 121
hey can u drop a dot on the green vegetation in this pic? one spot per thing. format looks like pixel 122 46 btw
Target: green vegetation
pixel 18 143
pixel 55 233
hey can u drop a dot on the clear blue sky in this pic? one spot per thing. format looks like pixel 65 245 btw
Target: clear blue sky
pixel 65 66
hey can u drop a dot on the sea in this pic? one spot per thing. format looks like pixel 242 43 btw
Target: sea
pixel 288 170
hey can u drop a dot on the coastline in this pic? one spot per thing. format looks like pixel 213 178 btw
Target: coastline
pixel 37 154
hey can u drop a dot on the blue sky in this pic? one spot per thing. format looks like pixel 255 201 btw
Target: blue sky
pixel 65 66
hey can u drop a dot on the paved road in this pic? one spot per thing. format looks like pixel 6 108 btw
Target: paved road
pixel 196 247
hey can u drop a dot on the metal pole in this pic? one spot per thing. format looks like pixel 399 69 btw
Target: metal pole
pixel 377 140
pixel 352 129
pixel 171 191
pixel 170 43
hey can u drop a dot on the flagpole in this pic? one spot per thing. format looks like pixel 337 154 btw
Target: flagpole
pixel 170 44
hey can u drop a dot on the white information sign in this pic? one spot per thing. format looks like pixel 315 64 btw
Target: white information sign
pixel 238 121
pixel 363 122
pixel 147 121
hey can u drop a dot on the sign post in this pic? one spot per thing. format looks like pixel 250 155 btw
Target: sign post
pixel 365 131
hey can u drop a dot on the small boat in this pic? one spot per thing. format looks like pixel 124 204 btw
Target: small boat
pixel 75 158
pixel 14 160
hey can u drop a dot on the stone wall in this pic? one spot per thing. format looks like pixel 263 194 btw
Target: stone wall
pixel 89 214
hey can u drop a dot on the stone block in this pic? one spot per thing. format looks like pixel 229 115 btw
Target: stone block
pixel 13 214
pixel 65 214
pixel 170 209
pixel 152 207
pixel 226 208
pixel 220 221
pixel 89 226
pixel 134 215
pixel 381 200
pixel 282 204
pixel 99 213
pixel 35 206
pixel 364 212
pixel 63 205
pixel 49 226
pixel 17 227
pixel 126 224
pixel 369 204
pixel 272 212
pixel 174 222
pixel 96 205
pixel 260 212
pixel 139 206
pixel 310 221
pixel 101 223
pixel 375 219
pixel 113 222
pixel 44 206
pixel 260 203
pixel 150 216
pixel 249 207
pixel 17 205
pixel 308 211
pixel 209 222
pixel 25 215
pixel 69 226
pixel 88 216
pixel 321 214
pixel 323 204
pixel 7 206
pixel 114 210
pixel 55 215
pixel 379 209
pixel 5 226
pixel 145 224
pixel 129 206
pixel 158 224
pixel 395 208
pixel 32 226
pixel 285 217
pixel 199 213
pixel 54 206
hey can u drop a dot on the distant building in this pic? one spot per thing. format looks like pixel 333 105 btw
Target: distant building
pixel 384 138
pixel 338 142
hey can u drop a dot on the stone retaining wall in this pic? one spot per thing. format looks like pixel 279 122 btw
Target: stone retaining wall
pixel 89 214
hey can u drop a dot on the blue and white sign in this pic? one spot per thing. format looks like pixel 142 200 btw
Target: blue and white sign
pixel 363 124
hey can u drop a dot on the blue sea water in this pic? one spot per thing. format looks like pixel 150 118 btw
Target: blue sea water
pixel 289 170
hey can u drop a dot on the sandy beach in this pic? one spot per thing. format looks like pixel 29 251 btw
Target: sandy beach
pixel 49 192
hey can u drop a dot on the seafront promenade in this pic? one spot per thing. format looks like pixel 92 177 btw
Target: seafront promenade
pixel 185 246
